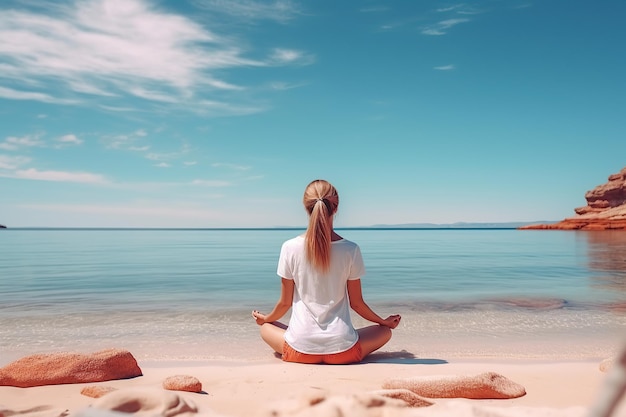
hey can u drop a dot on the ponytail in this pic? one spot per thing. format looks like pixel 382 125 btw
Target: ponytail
pixel 321 201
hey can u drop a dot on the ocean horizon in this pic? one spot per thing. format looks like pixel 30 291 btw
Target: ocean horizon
pixel 187 294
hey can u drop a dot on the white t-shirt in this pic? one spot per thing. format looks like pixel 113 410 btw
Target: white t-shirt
pixel 320 318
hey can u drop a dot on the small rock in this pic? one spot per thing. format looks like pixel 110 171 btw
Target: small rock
pixel 182 383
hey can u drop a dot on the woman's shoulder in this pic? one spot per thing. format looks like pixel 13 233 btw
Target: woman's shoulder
pixel 345 243
pixel 294 242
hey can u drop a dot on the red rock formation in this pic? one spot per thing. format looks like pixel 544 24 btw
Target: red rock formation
pixel 605 209
pixel 69 368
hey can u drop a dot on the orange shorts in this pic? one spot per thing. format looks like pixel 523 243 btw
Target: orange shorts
pixel 352 355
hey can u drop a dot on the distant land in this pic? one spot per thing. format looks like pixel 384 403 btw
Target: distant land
pixel 459 225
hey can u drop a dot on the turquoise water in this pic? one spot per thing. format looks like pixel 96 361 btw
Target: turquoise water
pixel 188 293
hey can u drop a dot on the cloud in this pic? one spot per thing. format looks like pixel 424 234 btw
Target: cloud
pixel 70 139
pixel 278 10
pixel 190 163
pixel 12 162
pixel 290 56
pixel 13 143
pixel 459 9
pixel 125 141
pixel 60 176
pixel 449 8
pixel 281 86
pixel 12 94
pixel 441 28
pixel 444 68
pixel 106 51
pixel 163 165
pixel 139 148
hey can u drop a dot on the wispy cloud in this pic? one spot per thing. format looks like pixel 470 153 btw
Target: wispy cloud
pixel 12 162
pixel 125 141
pixel 278 10
pixel 290 56
pixel 460 9
pixel 111 50
pixel 70 139
pixel 281 86
pixel 445 68
pixel 59 176
pixel 13 143
pixel 12 94
pixel 449 8
pixel 442 27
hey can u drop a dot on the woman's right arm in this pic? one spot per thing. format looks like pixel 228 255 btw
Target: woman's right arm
pixel 282 306
pixel 362 309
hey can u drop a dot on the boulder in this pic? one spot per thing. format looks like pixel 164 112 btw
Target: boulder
pixel 69 368
pixel 489 385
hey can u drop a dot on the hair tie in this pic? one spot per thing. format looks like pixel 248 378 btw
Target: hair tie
pixel 317 200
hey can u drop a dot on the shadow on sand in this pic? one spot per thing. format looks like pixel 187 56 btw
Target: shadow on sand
pixel 401 357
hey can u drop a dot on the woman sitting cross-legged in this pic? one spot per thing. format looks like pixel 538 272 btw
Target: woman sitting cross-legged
pixel 321 274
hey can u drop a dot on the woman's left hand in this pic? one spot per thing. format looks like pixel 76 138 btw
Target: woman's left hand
pixel 259 317
pixel 392 321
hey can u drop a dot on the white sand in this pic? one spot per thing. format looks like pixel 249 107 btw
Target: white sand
pixel 251 388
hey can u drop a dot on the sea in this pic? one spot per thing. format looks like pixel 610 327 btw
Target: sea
pixel 187 294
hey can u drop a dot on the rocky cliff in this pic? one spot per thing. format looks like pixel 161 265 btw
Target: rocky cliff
pixel 605 209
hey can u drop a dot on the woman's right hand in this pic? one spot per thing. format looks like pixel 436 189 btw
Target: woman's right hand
pixel 392 321
pixel 258 317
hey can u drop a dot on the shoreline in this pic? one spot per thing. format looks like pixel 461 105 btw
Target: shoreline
pixel 248 388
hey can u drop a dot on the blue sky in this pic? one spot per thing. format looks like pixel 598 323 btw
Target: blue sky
pixel 213 113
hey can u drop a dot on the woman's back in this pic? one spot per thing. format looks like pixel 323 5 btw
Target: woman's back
pixel 320 321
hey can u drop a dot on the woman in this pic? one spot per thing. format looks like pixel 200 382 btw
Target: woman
pixel 320 274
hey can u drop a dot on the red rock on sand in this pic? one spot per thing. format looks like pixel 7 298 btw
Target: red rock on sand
pixel 182 383
pixel 489 385
pixel 69 368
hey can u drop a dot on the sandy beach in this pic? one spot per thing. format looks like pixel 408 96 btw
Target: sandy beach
pixel 257 387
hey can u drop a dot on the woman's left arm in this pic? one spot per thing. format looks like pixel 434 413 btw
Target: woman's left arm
pixel 282 306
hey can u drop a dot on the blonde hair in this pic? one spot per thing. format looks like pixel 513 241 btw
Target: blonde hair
pixel 320 201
